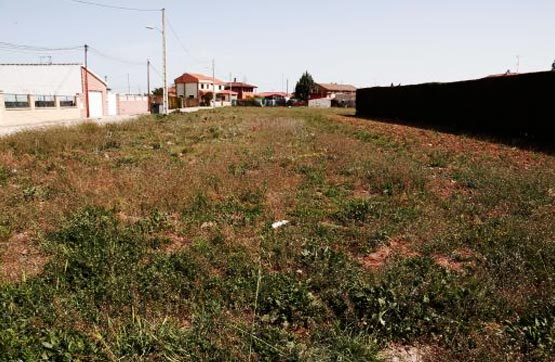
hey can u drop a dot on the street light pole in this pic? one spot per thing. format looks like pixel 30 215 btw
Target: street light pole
pixel 148 84
pixel 165 60
pixel 213 83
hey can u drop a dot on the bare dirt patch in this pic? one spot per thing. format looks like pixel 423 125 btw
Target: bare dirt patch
pixel 461 260
pixel 378 258
pixel 177 242
pixel 20 258
pixel 399 353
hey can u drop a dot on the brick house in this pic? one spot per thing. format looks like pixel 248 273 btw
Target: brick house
pixel 330 90
pixel 243 90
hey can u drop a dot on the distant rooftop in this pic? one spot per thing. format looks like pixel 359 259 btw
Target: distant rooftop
pixel 242 85
pixel 508 73
pixel 37 64
pixel 334 87
pixel 195 78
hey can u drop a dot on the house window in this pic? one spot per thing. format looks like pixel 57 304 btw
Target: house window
pixel 67 101
pixel 16 101
pixel 45 101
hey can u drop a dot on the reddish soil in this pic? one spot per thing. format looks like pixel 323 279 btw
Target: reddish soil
pixel 378 258
pixel 20 258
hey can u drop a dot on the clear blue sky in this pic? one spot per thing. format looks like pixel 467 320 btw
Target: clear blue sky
pixel 362 42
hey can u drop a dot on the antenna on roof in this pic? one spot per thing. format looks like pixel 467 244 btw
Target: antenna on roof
pixel 48 57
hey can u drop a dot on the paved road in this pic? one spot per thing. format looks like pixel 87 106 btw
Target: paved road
pixel 7 130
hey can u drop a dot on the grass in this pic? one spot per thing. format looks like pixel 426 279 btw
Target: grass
pixel 152 240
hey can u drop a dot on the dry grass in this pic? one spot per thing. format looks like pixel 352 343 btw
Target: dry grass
pixel 437 234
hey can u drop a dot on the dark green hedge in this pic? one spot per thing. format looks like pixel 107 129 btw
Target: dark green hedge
pixel 507 105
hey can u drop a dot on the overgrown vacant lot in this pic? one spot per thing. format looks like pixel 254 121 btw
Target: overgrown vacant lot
pixel 153 240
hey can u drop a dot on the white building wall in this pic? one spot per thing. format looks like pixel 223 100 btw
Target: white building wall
pixel 112 104
pixel 41 79
pixel 191 89
pixel 180 89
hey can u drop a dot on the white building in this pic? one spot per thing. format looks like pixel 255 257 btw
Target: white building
pixel 192 87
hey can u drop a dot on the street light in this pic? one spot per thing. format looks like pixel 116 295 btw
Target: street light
pixel 165 98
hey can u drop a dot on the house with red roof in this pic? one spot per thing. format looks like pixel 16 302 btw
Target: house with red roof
pixel 330 90
pixel 193 88
pixel 243 90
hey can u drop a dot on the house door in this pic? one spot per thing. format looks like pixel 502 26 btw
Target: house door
pixel 95 104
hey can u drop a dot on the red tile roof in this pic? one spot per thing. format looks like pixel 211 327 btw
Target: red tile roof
pixel 241 85
pixel 334 87
pixel 270 94
pixel 196 78
pixel 506 74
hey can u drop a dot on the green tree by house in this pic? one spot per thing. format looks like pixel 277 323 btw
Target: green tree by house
pixel 304 86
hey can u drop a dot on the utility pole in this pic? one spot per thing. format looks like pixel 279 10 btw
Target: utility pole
pixel 213 83
pixel 128 84
pixel 287 87
pixel 517 63
pixel 165 51
pixel 148 84
pixel 88 114
pixel 230 87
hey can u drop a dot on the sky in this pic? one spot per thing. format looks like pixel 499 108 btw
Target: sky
pixel 361 42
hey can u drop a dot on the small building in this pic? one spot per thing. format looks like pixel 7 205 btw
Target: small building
pixel 243 90
pixel 330 90
pixel 36 93
pixel 193 88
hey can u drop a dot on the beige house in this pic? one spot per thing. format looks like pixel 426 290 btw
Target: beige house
pixel 192 88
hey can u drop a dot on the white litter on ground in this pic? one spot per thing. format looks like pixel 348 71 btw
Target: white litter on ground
pixel 279 224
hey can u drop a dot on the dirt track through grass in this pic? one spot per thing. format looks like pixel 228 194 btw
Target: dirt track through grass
pixel 145 240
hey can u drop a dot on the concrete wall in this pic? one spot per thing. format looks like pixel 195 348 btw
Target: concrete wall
pixel 180 89
pixel 36 115
pixel 320 103
pixel 191 89
pixel 132 104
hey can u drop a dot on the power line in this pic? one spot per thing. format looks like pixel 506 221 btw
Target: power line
pixel 183 45
pixel 111 6
pixel 157 71
pixel 32 48
pixel 115 59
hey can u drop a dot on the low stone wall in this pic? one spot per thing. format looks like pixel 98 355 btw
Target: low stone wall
pixel 36 115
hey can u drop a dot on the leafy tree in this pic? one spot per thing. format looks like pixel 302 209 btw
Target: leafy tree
pixel 158 91
pixel 304 86
pixel 553 66
pixel 207 98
